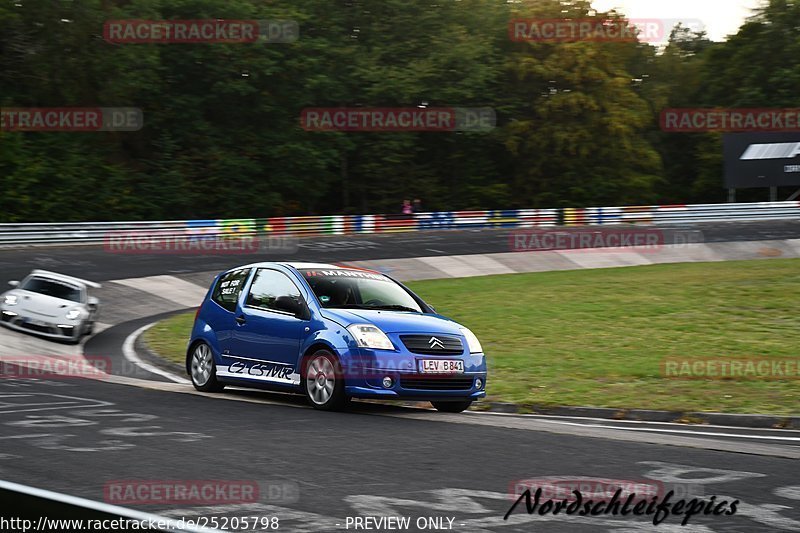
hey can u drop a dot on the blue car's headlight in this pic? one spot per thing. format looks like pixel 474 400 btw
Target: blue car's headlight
pixel 369 336
pixel 472 341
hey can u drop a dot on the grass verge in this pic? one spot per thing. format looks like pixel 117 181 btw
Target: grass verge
pixel 599 337
pixel 168 337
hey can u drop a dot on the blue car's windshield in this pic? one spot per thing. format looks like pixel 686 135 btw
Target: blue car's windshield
pixel 358 289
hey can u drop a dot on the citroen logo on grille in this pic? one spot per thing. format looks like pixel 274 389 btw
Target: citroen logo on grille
pixel 436 343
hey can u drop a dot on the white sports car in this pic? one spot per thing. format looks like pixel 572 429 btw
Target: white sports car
pixel 50 304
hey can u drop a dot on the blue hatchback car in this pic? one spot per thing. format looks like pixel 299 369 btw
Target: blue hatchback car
pixel 332 333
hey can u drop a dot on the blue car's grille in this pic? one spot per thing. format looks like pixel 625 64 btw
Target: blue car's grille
pixel 418 382
pixel 433 344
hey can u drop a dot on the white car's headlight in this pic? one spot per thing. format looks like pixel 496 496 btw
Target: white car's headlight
pixel 472 341
pixel 369 336
pixel 72 314
pixel 10 299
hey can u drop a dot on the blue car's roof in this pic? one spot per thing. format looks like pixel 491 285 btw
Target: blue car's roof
pixel 313 265
pixel 298 265
pixel 290 264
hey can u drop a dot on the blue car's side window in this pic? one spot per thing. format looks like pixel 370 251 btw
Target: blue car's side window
pixel 229 287
pixel 271 289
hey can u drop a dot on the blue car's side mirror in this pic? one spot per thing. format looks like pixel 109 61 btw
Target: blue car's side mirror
pixel 293 306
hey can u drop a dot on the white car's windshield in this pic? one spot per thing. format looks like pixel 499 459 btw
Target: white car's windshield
pixel 358 289
pixel 52 288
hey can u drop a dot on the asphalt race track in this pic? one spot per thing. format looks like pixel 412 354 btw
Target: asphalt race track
pixel 319 471
pixel 316 469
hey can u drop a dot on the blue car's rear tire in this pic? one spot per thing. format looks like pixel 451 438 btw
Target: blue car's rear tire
pixel 322 381
pixel 203 369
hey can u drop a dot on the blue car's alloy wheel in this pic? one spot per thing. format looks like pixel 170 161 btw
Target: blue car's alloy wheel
pixel 323 382
pixel 203 369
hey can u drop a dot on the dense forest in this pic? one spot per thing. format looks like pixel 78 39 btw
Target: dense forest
pixel 577 123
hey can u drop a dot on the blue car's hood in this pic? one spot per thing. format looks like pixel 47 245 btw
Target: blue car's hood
pixel 394 321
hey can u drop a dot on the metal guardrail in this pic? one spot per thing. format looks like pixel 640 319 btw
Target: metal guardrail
pixel 106 232
pixel 676 214
pixel 46 233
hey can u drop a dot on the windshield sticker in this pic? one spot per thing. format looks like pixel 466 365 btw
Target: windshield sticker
pixel 324 299
pixel 346 274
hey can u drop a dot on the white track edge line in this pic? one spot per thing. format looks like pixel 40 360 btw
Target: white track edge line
pixel 556 418
pixel 687 432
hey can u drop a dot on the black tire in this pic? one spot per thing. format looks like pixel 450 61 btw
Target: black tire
pixel 203 369
pixel 322 394
pixel 452 407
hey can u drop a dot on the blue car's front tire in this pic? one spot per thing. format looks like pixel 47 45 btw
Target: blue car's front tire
pixel 322 380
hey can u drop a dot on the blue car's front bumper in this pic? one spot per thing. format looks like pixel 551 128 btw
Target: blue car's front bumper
pixel 364 372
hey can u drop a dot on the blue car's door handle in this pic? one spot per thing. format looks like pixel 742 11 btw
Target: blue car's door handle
pixel 241 320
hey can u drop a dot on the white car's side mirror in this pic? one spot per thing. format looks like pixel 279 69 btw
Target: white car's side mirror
pixel 14 283
pixel 92 301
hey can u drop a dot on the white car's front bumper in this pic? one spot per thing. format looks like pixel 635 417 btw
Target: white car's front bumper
pixel 45 326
